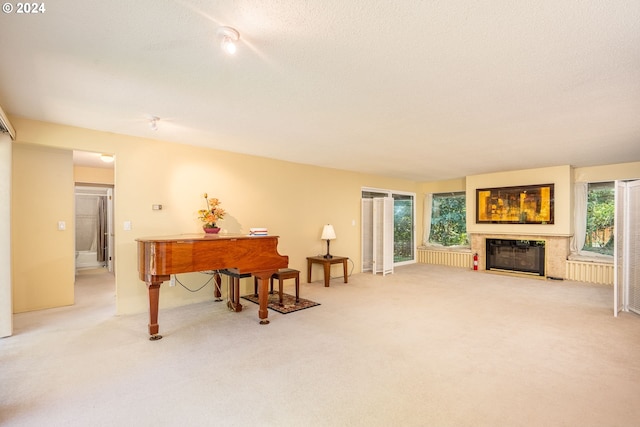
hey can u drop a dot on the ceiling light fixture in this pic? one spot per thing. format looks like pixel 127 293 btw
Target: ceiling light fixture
pixel 229 38
pixel 107 158
pixel 153 122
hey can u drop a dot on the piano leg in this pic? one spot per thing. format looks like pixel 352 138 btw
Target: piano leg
pixel 234 295
pixel 216 288
pixel 154 297
pixel 263 295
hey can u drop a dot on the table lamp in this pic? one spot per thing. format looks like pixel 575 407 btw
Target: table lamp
pixel 328 234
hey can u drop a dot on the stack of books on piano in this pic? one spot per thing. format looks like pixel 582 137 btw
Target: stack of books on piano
pixel 257 231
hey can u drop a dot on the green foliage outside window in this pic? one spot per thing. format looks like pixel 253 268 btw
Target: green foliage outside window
pixel 449 219
pixel 402 228
pixel 600 218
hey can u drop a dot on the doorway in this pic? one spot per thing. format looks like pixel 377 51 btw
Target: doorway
pixel 94 227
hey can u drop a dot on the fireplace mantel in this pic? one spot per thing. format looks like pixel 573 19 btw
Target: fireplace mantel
pixel 556 250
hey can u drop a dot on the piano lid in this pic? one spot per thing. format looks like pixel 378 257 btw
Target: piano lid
pixel 201 237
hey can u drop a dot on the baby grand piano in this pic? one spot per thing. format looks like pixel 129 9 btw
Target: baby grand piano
pixel 160 257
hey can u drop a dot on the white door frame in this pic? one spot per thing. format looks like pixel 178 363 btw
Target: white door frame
pixel 625 248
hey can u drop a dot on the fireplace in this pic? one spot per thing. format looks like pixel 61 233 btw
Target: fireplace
pixel 520 256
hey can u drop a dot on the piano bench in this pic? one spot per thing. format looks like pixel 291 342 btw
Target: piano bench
pixel 234 273
pixel 234 291
pixel 282 274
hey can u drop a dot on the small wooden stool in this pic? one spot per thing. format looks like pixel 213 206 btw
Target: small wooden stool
pixel 282 274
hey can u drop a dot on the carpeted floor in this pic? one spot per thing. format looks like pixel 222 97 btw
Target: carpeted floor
pixel 425 346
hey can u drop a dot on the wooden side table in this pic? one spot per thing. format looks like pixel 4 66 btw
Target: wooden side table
pixel 326 263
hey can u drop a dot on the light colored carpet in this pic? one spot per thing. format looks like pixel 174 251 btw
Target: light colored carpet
pixel 426 346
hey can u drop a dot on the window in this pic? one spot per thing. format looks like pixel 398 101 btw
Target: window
pixel 600 218
pixel 449 219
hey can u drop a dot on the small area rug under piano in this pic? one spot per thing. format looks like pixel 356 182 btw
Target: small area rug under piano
pixel 289 304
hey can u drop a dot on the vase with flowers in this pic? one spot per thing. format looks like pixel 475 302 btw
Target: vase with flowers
pixel 211 214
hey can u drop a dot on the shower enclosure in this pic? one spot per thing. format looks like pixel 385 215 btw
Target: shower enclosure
pixel 93 227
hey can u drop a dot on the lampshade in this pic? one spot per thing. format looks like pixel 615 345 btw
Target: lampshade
pixel 328 233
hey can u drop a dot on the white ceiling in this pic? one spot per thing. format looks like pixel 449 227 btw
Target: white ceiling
pixel 423 90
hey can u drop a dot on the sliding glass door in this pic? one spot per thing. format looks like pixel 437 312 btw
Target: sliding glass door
pixel 403 223
pixel 403 228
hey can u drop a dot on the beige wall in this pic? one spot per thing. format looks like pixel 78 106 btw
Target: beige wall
pixel 293 201
pixel 42 255
pixel 88 175
pixel 560 176
pixel 452 185
pixel 621 171
pixel 6 320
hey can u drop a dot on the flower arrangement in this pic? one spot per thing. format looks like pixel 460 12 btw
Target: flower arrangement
pixel 212 213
